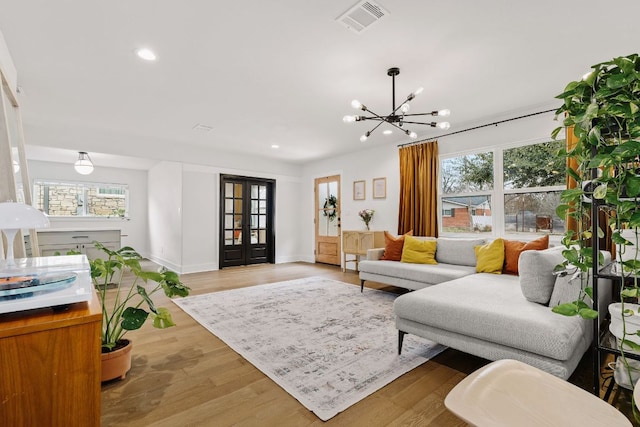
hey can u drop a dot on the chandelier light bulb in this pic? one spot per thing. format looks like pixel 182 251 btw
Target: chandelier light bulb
pixel 356 104
pixel 364 137
pixel 413 135
pixel 405 107
pixel 444 113
pixel 387 131
pixel 349 119
pixel 418 91
pixel 444 125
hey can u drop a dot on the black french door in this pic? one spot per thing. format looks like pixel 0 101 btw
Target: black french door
pixel 246 220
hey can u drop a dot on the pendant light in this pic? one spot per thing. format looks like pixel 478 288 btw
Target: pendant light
pixel 84 165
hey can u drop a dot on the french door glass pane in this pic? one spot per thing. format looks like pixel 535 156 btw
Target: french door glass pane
pixel 228 189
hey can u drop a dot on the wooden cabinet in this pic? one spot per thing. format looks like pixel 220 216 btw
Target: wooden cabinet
pixel 64 240
pixel 50 366
pixel 357 243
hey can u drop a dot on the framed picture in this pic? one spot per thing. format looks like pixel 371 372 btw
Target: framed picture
pixel 379 188
pixel 359 188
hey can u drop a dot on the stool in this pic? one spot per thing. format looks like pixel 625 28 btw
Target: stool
pixel 511 393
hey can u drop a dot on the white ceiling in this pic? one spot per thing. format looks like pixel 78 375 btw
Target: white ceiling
pixel 284 72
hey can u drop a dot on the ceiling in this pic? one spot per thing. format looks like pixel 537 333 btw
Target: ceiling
pixel 284 72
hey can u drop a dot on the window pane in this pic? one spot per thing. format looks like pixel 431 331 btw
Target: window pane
pixel 228 189
pixel 81 199
pixel 467 214
pixel 237 192
pixel 473 172
pixel 228 221
pixel 537 165
pixel 262 236
pixel 254 191
pixel 263 192
pixel 533 213
pixel 228 205
pixel 254 206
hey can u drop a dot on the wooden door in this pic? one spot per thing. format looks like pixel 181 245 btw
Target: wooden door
pixel 246 221
pixel 327 219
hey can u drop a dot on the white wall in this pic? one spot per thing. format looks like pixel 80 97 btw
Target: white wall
pixel 382 161
pixel 165 214
pixel 200 188
pixel 133 231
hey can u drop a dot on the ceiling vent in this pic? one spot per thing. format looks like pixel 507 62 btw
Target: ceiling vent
pixel 361 16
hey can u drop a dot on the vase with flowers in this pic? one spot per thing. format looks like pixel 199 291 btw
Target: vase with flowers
pixel 366 215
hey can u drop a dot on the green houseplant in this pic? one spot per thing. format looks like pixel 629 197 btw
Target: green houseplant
pixel 130 308
pixel 604 110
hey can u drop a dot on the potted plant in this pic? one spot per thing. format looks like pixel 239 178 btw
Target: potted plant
pixel 604 110
pixel 132 306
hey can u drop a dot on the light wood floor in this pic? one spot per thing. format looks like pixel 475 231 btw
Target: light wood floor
pixel 185 376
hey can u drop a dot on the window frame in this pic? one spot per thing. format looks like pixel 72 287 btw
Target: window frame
pixel 84 187
pixel 496 194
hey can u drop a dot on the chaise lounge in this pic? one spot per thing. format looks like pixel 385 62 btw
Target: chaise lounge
pixel 494 316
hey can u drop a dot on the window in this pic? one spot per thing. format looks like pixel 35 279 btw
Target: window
pixel 64 199
pixel 534 176
pixel 525 192
pixel 467 184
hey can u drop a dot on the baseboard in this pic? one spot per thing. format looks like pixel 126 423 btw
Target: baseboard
pixel 198 268
pixel 167 264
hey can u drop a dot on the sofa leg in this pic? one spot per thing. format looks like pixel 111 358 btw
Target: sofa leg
pixel 361 285
pixel 401 335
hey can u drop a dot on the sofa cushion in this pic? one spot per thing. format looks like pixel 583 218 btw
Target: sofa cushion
pixel 418 251
pixel 422 273
pixel 536 273
pixel 490 257
pixel 513 249
pixel 457 251
pixel 393 246
pixel 491 308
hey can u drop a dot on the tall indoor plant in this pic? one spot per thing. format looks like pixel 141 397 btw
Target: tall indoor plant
pixel 604 110
pixel 130 307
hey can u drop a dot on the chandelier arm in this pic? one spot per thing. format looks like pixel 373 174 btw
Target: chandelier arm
pixel 375 114
pixel 380 119
pixel 375 127
pixel 420 114
pixel 432 124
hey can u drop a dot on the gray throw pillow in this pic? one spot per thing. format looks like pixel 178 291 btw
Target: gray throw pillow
pixel 536 273
pixel 457 251
pixel 566 289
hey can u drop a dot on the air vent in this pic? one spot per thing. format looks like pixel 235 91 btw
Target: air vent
pixel 361 16
pixel 203 128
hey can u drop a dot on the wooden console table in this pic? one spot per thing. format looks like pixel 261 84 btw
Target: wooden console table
pixel 358 243
pixel 50 366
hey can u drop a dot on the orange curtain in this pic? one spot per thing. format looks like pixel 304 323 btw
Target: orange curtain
pixel 571 183
pixel 418 189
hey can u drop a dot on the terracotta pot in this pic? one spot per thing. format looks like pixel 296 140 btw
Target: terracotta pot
pixel 116 364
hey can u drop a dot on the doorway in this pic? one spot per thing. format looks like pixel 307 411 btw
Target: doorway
pixel 327 220
pixel 247 233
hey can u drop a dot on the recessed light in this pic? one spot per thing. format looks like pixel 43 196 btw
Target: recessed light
pixel 275 146
pixel 146 54
pixel 387 131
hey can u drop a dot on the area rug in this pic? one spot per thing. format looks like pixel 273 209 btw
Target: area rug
pixel 324 342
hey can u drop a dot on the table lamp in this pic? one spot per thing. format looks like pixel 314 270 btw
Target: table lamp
pixel 16 216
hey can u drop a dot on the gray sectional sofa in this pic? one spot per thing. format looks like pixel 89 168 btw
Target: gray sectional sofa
pixel 494 316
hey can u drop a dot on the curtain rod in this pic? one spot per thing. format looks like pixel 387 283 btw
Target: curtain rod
pixel 476 127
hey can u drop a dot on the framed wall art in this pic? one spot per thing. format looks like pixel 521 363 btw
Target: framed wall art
pixel 359 190
pixel 379 188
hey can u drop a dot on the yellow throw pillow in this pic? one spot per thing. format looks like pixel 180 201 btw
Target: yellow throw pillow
pixel 490 257
pixel 418 251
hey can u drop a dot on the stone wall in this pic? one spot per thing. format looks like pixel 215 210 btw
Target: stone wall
pixel 67 200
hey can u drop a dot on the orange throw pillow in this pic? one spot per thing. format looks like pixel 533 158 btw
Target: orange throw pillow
pixel 393 246
pixel 513 249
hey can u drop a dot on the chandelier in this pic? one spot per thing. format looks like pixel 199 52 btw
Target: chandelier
pixel 398 116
